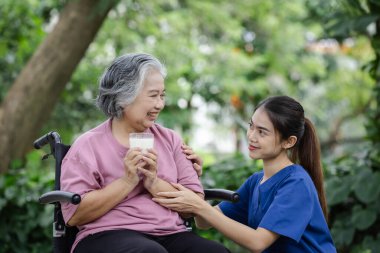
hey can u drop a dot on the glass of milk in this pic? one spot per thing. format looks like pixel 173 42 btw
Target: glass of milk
pixel 141 140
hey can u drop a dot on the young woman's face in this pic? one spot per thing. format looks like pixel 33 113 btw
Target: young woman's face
pixel 142 113
pixel 263 140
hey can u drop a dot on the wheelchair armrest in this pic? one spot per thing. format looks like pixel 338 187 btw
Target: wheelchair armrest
pixel 221 194
pixel 60 196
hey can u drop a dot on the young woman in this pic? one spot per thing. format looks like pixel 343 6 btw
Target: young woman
pixel 283 207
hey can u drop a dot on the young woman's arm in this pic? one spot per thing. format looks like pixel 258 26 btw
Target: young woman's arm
pixel 202 223
pixel 256 240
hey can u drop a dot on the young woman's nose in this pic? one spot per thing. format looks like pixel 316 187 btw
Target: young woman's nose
pixel 251 135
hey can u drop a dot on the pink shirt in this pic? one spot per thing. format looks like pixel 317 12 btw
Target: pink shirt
pixel 96 159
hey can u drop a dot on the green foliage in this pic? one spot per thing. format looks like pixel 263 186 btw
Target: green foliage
pixel 25 224
pixel 353 188
pixel 354 199
pixel 22 28
pixel 210 53
pixel 230 171
pixel 231 64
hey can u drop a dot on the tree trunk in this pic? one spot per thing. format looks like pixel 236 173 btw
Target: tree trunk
pixel 31 98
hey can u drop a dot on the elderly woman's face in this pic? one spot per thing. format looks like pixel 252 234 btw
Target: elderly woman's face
pixel 142 113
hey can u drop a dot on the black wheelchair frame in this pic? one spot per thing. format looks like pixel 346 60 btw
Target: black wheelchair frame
pixel 64 236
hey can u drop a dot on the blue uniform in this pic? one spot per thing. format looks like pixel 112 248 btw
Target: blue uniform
pixel 287 204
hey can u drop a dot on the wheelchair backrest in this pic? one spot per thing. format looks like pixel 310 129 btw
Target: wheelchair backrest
pixel 63 236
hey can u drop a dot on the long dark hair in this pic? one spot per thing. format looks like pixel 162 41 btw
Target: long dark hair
pixel 288 118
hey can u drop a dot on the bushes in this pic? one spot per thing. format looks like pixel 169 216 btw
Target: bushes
pixel 25 225
pixel 354 184
pixel 353 195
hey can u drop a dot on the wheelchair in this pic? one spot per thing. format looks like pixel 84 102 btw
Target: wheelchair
pixel 64 236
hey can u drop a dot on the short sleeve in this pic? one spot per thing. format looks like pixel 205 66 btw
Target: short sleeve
pixel 187 176
pixel 79 177
pixel 238 211
pixel 291 209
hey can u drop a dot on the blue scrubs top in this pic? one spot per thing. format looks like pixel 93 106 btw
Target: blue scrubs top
pixel 287 204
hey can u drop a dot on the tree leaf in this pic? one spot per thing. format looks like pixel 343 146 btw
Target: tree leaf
pixel 366 187
pixel 337 189
pixel 343 235
pixel 363 218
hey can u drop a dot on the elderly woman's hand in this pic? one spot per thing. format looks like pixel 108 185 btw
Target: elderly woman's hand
pixel 194 158
pixel 132 161
pixel 149 169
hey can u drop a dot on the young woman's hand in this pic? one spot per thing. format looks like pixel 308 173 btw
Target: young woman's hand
pixel 194 158
pixel 182 201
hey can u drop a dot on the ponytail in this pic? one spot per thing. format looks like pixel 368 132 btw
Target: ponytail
pixel 308 153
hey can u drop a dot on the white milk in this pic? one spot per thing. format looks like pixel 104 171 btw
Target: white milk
pixel 141 140
pixel 144 143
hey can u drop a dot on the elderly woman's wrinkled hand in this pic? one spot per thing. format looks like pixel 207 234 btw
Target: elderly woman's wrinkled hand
pixel 132 161
pixel 149 170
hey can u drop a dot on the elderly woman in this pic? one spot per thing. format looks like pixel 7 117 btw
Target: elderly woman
pixel 117 182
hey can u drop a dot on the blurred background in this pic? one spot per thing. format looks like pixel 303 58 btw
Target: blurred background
pixel 222 57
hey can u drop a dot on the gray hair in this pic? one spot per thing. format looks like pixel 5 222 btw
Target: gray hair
pixel 123 80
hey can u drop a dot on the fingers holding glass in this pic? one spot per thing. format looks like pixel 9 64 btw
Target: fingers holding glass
pixel 133 160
